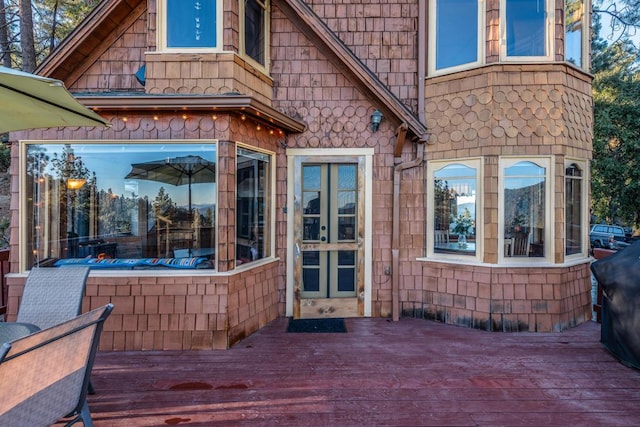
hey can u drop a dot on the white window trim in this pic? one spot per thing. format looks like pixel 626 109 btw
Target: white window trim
pixel 432 167
pixel 267 39
pixel 549 35
pixel 584 214
pixel 432 42
pixel 272 193
pixel 161 32
pixel 549 233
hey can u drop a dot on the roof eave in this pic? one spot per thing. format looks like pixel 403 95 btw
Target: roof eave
pixel 209 103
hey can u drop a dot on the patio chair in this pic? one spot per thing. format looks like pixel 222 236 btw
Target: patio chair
pixel 47 373
pixel 51 296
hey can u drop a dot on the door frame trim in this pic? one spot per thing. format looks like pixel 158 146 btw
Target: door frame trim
pixel 366 153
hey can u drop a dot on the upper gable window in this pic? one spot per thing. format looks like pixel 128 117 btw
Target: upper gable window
pixel 190 24
pixel 455 33
pixel 526 29
pixel 255 30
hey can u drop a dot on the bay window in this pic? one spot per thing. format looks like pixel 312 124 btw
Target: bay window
pixel 189 24
pixel 114 201
pixel 453 189
pixel 525 207
pixel 575 213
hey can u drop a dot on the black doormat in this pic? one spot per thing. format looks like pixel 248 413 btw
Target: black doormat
pixel 317 325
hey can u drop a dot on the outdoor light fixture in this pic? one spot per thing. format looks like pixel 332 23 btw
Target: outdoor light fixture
pixel 376 118
pixel 75 183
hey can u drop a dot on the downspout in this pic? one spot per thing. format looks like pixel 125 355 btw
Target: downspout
pixel 395 238
pixel 417 161
pixel 422 58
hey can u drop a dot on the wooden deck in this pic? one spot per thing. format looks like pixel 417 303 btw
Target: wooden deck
pixel 408 373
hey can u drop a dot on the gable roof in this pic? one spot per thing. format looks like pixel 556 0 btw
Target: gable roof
pixel 99 30
pixel 307 21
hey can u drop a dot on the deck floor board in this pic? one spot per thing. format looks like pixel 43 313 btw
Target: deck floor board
pixel 380 373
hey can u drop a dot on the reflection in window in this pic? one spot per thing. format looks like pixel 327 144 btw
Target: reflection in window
pixel 526 27
pixel 455 209
pixel 253 206
pixel 191 23
pixel 456 32
pixel 113 200
pixel 255 30
pixel 573 27
pixel 573 210
pixel 524 210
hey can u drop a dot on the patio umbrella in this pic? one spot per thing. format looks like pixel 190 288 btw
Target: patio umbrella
pixel 28 101
pixel 185 170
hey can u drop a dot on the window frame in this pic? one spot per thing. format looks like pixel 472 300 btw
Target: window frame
pixel 266 4
pixel 161 25
pixel 24 224
pixel 549 35
pixel 437 165
pixel 584 208
pixel 272 200
pixel 433 34
pixel 549 241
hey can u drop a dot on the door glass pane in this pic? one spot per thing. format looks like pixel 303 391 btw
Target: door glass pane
pixel 526 34
pixel 311 229
pixel 346 228
pixel 311 271
pixel 347 177
pixel 346 271
pixel 456 32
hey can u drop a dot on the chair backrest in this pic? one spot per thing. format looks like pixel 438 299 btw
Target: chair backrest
pixel 521 245
pixel 48 372
pixel 52 295
pixel 441 236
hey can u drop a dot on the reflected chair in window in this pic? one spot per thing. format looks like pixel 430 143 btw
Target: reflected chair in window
pixel 521 245
pixel 441 237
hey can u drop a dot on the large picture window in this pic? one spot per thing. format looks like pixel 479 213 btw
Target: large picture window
pixel 189 24
pixel 525 208
pixel 574 209
pixel 454 192
pixel 253 206
pixel 120 203
pixel 455 30
pixel 256 30
pixel 526 26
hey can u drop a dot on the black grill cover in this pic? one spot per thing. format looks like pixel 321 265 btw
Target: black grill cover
pixel 619 276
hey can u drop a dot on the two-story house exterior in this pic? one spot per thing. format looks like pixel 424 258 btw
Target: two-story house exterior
pixel 315 159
